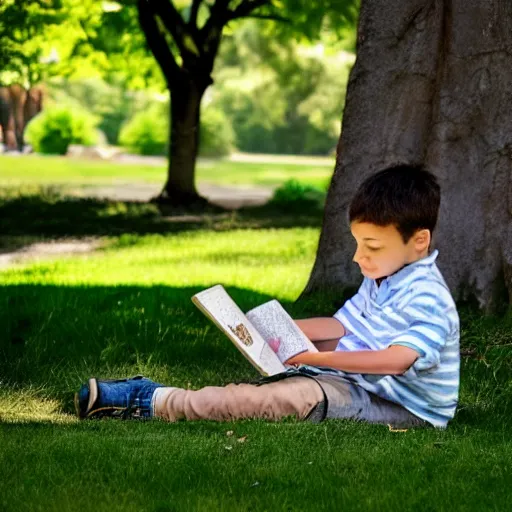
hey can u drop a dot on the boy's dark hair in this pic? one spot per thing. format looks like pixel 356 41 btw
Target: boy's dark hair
pixel 406 196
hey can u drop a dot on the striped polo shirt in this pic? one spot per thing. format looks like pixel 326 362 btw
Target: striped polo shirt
pixel 412 307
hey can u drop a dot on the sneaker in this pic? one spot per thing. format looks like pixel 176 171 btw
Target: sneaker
pixel 121 398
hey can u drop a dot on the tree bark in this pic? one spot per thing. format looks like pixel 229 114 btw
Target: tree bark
pixel 431 86
pixel 180 189
pixel 17 107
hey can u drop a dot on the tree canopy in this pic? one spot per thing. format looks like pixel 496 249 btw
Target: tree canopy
pixel 22 23
pixel 174 45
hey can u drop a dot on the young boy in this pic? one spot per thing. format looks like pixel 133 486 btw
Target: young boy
pixel 389 355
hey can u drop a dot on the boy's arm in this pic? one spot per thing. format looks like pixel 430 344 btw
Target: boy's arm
pixel 393 360
pixel 321 328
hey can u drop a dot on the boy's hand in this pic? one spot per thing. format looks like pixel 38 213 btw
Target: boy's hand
pixel 298 359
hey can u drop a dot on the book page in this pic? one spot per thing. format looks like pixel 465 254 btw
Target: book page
pixel 273 322
pixel 223 311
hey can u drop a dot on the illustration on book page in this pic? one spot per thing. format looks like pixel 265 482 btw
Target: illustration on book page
pixel 223 311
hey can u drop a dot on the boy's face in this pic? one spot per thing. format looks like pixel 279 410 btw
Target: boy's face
pixel 381 251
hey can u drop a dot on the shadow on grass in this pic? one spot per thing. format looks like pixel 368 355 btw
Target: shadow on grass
pixel 48 213
pixel 55 337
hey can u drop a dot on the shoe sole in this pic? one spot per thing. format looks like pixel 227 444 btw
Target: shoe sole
pixel 93 396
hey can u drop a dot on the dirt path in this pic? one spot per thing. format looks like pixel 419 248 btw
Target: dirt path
pixel 226 196
pixel 50 249
pixel 125 158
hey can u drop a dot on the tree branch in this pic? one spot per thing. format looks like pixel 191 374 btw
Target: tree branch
pixel 210 34
pixel 157 42
pixel 274 17
pixel 246 7
pixel 176 26
pixel 192 22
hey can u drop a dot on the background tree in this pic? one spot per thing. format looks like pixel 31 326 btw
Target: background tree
pixel 22 22
pixel 281 96
pixel 277 94
pixel 431 85
pixel 185 36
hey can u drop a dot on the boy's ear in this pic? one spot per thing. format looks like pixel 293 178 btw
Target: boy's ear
pixel 422 239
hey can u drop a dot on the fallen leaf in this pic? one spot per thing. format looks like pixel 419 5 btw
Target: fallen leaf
pixel 392 429
pixel 242 439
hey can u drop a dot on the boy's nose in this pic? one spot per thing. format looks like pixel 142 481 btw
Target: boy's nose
pixel 359 258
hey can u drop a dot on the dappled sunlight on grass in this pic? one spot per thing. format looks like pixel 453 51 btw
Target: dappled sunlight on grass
pixel 277 262
pixel 27 405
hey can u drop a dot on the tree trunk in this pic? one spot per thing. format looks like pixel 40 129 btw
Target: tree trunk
pixel 12 100
pixel 180 189
pixel 432 85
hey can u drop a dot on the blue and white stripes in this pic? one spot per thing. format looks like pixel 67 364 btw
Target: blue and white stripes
pixel 413 307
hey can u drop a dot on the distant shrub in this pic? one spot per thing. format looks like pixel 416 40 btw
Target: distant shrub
pixel 217 137
pixel 146 133
pixel 296 196
pixel 112 104
pixel 56 128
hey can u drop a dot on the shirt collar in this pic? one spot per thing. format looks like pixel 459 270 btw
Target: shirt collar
pixel 427 260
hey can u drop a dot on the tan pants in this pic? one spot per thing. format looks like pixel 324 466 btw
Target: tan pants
pixel 294 396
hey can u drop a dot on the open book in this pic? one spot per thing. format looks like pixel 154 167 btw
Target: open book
pixel 252 332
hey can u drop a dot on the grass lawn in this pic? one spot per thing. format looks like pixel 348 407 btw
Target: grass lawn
pixel 126 309
pixel 15 170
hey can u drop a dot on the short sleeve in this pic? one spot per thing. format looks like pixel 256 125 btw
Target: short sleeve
pixel 428 330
